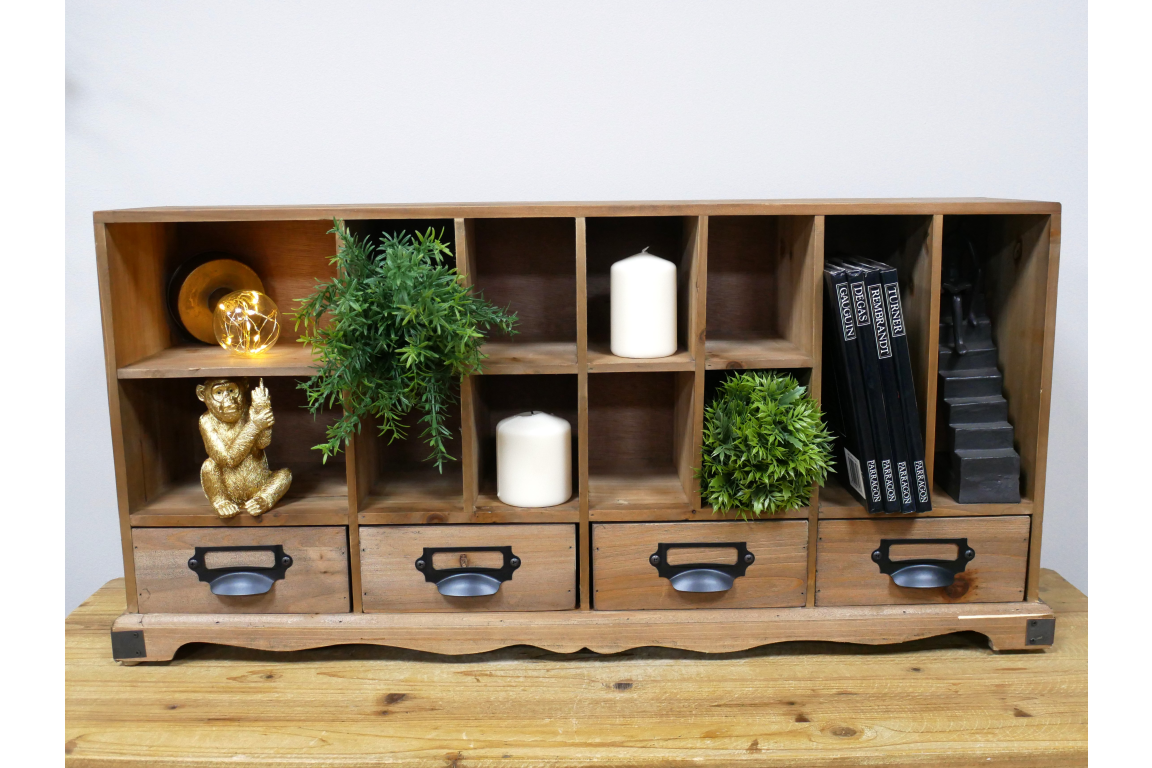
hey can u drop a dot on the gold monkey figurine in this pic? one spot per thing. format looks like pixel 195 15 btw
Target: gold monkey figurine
pixel 236 430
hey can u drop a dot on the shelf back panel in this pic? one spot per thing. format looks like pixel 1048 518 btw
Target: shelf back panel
pixel 529 267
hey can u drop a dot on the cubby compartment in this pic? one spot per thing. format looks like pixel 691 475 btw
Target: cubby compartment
pixel 397 479
pixel 527 266
pixel 497 397
pixel 640 457
pixel 289 256
pixel 163 453
pixel 1018 283
pixel 910 244
pixel 611 239
pixel 712 381
pixel 763 291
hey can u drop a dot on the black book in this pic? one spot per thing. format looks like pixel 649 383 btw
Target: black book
pixel 893 408
pixel 846 400
pixel 873 383
pixel 907 387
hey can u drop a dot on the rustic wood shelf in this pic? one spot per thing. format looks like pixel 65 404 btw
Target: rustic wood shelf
pixel 317 498
pixel 601 360
pixel 705 514
pixel 420 490
pixel 750 296
pixel 202 360
pixel 529 357
pixel 621 496
pixel 487 501
pixel 721 354
pixel 837 502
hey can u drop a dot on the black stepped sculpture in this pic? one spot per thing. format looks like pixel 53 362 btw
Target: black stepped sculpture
pixel 978 463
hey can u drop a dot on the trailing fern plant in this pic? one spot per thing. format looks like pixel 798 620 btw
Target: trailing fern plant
pixel 765 443
pixel 394 330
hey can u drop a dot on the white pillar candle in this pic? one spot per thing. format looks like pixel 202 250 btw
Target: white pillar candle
pixel 643 306
pixel 533 460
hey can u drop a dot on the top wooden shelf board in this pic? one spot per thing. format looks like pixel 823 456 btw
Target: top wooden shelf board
pixel 830 207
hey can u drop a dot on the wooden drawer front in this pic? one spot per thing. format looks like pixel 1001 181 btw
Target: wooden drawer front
pixel 624 578
pixel 544 581
pixel 316 582
pixel 847 575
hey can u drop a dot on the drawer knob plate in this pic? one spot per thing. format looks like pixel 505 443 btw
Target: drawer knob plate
pixel 242 580
pixel 924 573
pixel 467 581
pixel 702 577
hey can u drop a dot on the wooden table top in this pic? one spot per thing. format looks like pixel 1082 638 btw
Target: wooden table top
pixel 938 702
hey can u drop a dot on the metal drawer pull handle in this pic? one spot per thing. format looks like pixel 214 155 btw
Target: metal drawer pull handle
pixel 702 577
pixel 923 574
pixel 243 579
pixel 469 581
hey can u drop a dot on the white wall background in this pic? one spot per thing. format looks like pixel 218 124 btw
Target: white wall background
pixel 212 103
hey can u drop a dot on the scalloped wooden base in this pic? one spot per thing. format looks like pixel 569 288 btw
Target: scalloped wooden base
pixel 1008 626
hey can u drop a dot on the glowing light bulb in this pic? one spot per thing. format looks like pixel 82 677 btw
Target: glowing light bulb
pixel 246 323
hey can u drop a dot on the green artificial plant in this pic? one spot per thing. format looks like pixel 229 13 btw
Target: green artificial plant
pixel 765 443
pixel 394 330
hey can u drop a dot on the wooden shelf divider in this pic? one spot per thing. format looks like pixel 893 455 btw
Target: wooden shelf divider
pixel 531 357
pixel 725 354
pixel 814 290
pixel 601 360
pixel 315 499
pixel 287 358
pixel 836 503
pixel 583 528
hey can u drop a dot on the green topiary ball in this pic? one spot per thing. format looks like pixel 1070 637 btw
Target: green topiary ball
pixel 765 443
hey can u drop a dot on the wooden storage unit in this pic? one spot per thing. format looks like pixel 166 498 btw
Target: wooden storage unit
pixel 750 296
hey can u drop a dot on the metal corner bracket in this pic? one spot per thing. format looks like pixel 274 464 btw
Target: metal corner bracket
pixel 128 645
pixel 1040 632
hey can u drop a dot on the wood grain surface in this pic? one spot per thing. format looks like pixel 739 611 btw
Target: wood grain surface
pixel 623 579
pixel 830 206
pixel 287 358
pixel 622 497
pixel 934 703
pixel 846 574
pixel 317 497
pixel 836 501
pixel 726 354
pixel 545 580
pixel 317 581
pixel 502 357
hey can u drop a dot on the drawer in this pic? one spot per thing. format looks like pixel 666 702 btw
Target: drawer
pixel 468 567
pixel 624 576
pixel 847 574
pixel 242 561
